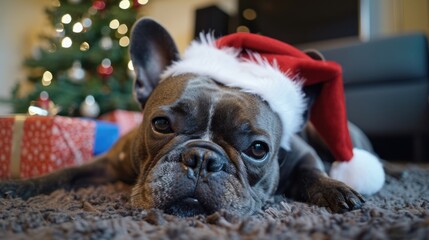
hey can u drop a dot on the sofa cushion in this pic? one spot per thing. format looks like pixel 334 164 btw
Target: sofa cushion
pixel 395 58
pixel 390 109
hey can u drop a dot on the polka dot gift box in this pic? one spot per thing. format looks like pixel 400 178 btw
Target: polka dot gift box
pixel 32 146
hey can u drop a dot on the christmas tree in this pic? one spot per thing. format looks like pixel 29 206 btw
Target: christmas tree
pixel 84 65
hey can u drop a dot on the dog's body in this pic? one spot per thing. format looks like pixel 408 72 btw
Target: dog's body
pixel 203 147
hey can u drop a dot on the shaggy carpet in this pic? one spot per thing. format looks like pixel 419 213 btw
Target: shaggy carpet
pixel 399 211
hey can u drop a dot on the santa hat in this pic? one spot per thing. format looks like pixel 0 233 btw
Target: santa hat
pixel 276 72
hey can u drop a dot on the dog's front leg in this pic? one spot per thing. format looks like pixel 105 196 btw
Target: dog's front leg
pixel 113 166
pixel 308 182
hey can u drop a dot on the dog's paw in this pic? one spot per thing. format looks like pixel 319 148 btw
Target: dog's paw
pixel 335 195
pixel 17 189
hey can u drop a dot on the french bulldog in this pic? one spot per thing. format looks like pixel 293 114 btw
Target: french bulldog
pixel 203 147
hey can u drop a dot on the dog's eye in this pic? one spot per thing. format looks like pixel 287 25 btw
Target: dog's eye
pixel 258 150
pixel 162 125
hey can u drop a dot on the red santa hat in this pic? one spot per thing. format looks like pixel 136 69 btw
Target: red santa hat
pixel 276 72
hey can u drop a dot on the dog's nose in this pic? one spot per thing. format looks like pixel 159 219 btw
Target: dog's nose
pixel 202 158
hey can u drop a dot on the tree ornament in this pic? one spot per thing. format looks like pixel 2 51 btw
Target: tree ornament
pixel 105 69
pixel 106 43
pixel 89 107
pixel 43 100
pixel 43 106
pixel 99 5
pixel 76 73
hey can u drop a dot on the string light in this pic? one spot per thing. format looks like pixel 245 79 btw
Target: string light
pixel 44 95
pixel 66 42
pixel 46 83
pixel 143 2
pixel 106 63
pixel 77 27
pixel 47 78
pixel 243 29
pixel 66 19
pixel 249 14
pixel 122 29
pixel 124 4
pixel 114 24
pixel 84 46
pixel 130 65
pixel 86 22
pixel 124 41
pixel 59 27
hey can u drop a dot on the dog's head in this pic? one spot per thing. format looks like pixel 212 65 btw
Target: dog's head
pixel 202 146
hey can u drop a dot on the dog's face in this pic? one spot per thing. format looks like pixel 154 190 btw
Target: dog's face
pixel 207 148
pixel 202 147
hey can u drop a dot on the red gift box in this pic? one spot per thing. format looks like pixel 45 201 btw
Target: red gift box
pixel 34 145
pixel 126 120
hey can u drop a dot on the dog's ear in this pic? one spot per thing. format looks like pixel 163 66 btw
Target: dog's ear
pixel 314 54
pixel 311 92
pixel 152 49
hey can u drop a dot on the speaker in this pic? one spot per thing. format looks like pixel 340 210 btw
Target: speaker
pixel 303 21
pixel 211 19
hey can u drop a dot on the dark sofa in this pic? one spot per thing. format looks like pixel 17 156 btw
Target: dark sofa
pixel 386 85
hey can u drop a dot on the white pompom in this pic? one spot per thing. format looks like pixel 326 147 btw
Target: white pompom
pixel 364 173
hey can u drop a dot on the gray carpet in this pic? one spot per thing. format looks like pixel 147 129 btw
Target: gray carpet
pixel 399 211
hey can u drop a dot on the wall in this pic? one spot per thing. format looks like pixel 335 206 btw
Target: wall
pixel 178 16
pixel 387 17
pixel 415 15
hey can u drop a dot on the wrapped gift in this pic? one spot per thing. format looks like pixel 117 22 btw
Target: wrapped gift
pixel 106 134
pixel 35 145
pixel 126 120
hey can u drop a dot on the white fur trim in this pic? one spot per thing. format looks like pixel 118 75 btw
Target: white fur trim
pixel 254 76
pixel 364 173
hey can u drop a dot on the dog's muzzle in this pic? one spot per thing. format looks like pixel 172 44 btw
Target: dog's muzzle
pixel 201 161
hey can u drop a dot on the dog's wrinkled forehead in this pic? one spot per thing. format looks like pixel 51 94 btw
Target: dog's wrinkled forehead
pixel 195 89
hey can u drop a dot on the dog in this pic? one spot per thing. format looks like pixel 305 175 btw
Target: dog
pixel 204 146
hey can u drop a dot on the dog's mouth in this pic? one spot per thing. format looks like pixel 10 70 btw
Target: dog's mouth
pixel 187 207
